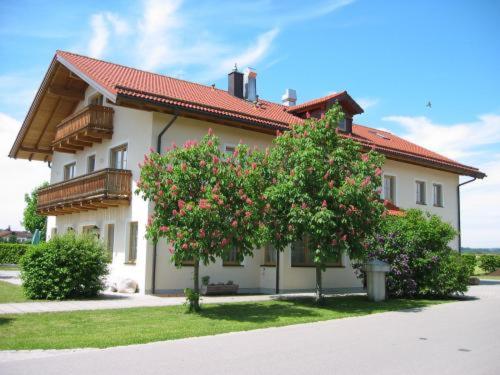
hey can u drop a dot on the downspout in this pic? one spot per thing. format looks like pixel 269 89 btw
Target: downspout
pixel 155 247
pixel 459 224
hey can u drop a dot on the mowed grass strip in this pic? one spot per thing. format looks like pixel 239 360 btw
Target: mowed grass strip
pixel 105 328
pixel 11 293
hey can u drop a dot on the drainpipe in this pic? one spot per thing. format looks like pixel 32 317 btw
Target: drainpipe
pixel 155 247
pixel 459 225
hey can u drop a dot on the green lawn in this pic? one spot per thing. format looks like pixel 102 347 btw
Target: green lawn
pixel 8 268
pixel 11 293
pixel 107 328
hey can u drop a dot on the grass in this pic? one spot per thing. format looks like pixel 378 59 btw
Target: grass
pixel 11 293
pixel 488 277
pixel 105 328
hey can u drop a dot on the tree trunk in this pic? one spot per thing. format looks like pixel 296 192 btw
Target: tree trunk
pixel 277 271
pixel 319 289
pixel 195 302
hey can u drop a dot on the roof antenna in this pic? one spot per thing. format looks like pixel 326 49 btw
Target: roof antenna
pixel 235 69
pixel 429 104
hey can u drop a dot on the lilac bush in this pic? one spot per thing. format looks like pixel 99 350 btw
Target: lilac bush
pixel 416 246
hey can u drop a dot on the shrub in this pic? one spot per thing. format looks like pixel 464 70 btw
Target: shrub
pixel 11 253
pixel 489 263
pixel 422 264
pixel 67 266
pixel 471 261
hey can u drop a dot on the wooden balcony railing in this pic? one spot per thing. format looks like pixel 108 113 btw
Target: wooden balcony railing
pixel 93 191
pixel 84 128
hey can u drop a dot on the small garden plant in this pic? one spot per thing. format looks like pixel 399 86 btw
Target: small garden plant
pixel 67 266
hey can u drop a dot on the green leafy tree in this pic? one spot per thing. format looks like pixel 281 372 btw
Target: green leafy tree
pixel 324 187
pixel 31 220
pixel 206 202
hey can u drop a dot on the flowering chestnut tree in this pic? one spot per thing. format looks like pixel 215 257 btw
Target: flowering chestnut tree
pixel 206 202
pixel 325 187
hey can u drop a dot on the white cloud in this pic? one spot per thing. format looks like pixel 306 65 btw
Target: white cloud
pixel 460 141
pixel 101 23
pixel 19 176
pixel 470 143
pixel 366 103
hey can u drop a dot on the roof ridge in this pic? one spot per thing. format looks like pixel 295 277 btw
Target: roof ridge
pixel 144 71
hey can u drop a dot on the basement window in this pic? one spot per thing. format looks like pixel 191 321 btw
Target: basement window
pixel 303 255
pixel 269 255
pixel 230 258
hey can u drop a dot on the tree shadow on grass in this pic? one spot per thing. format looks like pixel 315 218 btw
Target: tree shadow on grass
pixel 294 307
pixel 4 320
pixel 255 312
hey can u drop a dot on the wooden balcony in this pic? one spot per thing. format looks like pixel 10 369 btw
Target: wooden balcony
pixel 93 191
pixel 84 128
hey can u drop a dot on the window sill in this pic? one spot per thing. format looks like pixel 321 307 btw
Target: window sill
pixel 313 266
pixel 129 263
pixel 268 265
pixel 421 204
pixel 438 205
pixel 232 265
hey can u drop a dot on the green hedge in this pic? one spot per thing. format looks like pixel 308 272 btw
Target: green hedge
pixel 10 253
pixel 489 263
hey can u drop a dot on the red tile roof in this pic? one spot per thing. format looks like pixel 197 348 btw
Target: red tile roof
pixel 126 82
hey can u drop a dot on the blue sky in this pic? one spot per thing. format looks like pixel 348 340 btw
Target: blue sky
pixel 391 56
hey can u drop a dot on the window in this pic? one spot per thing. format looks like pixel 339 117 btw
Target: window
pixel 69 171
pixel 91 230
pixel 420 190
pixel 438 195
pixel 390 188
pixel 132 243
pixel 110 240
pixel 230 149
pixel 269 255
pixel 70 230
pixel 96 99
pixel 302 256
pixel 231 257
pixel 91 164
pixel 119 157
pixel 53 232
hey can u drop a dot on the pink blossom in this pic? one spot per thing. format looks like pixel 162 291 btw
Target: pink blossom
pixel 210 143
pixel 181 204
pixel 183 167
pixel 327 174
pixel 364 157
pixel 324 204
pixel 184 246
pixel 164 228
pixel 215 159
pixel 249 201
pixel 204 204
pixel 215 170
pixel 224 242
pixel 180 235
pixel 202 233
pixel 234 224
pixel 174 212
pixel 171 250
pixel 248 214
pixel 330 161
pixel 344 237
pixel 366 181
pixel 182 212
pixel 378 171
pixel 303 206
pixel 254 165
pixel 170 168
pixel 330 184
pixel 210 131
pixel 292 173
pixel 334 242
pixel 203 163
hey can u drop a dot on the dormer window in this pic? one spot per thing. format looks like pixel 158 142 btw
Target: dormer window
pixel 345 125
pixel 96 99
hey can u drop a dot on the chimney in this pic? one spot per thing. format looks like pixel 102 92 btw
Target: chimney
pixel 289 98
pixel 250 84
pixel 235 83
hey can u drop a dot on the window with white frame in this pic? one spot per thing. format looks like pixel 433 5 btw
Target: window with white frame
pixel 69 171
pixel 91 164
pixel 119 157
pixel 132 243
pixel 438 195
pixel 420 191
pixel 390 188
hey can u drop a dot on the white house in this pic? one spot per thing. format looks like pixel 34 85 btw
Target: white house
pixel 92 121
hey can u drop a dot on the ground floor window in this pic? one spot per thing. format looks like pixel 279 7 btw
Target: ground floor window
pixel 91 230
pixel 303 256
pixel 53 232
pixel 230 258
pixel 132 243
pixel 110 240
pixel 269 255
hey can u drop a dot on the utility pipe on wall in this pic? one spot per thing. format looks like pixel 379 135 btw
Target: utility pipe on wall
pixel 459 223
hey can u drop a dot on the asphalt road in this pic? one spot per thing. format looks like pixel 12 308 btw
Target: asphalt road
pixel 454 338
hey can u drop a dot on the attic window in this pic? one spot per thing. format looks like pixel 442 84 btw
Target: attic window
pixel 380 135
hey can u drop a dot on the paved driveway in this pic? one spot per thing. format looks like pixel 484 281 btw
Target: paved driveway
pixel 455 338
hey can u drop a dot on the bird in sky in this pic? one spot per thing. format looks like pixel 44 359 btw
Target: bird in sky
pixel 429 104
